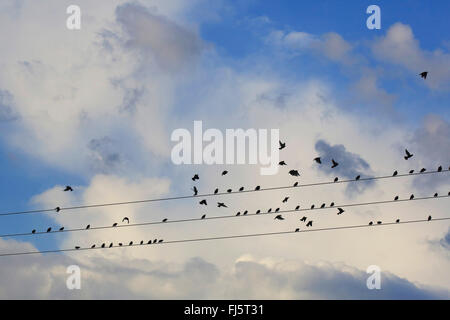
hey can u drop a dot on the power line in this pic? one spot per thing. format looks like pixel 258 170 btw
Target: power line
pixel 228 237
pixel 216 194
pixel 218 217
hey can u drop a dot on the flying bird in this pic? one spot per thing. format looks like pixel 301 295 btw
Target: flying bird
pixel 221 204
pixel 195 177
pixel 395 173
pixel 278 217
pixel 224 172
pixel 424 74
pixel 309 224
pixel 285 199
pixel 282 163
pixel 318 160
pixel 294 173
pixel 126 219
pixel 303 219
pixel 341 211
pixel 68 188
pixel 195 190
pixel 335 164
pixel 408 154
pixel 282 145
pixel 203 202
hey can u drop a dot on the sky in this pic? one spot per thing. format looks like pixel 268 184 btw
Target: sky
pixel 95 108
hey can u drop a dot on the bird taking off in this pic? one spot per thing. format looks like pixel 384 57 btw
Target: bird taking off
pixel 335 164
pixel 309 224
pixel 285 199
pixel 318 160
pixel 282 145
pixel 341 211
pixel 68 188
pixel 408 154
pixel 203 202
pixel 195 177
pixel 424 74
pixel 294 173
pixel 282 163
pixel 279 217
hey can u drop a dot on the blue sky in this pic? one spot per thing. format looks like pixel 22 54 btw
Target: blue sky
pixel 230 64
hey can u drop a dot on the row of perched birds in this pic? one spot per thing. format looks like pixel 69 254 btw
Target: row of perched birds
pixel 120 244
pixel 371 223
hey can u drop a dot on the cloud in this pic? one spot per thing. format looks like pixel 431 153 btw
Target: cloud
pixel 350 165
pixel 7 112
pixel 401 48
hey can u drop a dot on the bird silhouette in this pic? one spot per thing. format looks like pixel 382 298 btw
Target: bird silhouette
pixel 110 245
pixel 270 210
pixel 282 145
pixel 258 211
pixel 336 179
pixel 88 226
pixel 439 169
pixel 195 190
pixel 429 218
pixel 297 207
pixel 142 242
pixel 341 211
pixel 396 198
pixel 295 184
pixel 411 197
pixel 229 190
pixel 285 199
pixel 203 202
pixel 160 240
pixel 33 231
pixel 408 154
pixel 395 173
pixel 277 209
pixel 120 244
pixel 131 243
pixel 61 229
pixel 411 171
pixel 103 245
pixel 126 219
pixel 241 189
pixel 93 246
pixel 245 212
pixel 203 216
pixel 221 204
pixel 370 223
pixel 257 188
pixel 435 195
pixel 297 230
pixel 224 172
pixel 318 160
pixel 424 74
pixel 278 217
pixel 357 177
pixel 68 188
pixel 303 219
pixel 195 177
pixel 216 191
pixel 334 163
pixel 282 163
pixel 149 242
pixel 332 204
pixel 114 224
pixel 423 170
pixel 49 229
pixel 77 247
pixel 238 214
pixel 312 207
pixel 164 220
pixel 322 206
pixel 397 221
pixel 57 209
pixel 294 173
pixel 379 222
pixel 309 224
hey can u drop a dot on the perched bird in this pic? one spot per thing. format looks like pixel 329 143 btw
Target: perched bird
pixel 435 195
pixel 408 154
pixel 142 242
pixel 257 188
pixel 155 240
pixel 282 145
pixel 149 242
pixel 277 209
pixel 49 229
pixel 216 191
pixel 160 240
pixel 295 184
pixel 396 198
pixel 322 206
pixel 241 189
pixel 395 173
pixel 33 231
pixel 278 217
pixel 357 177
pixel 126 219
pixel 411 171
pixel 285 199
pixel 229 190
pixel 334 163
pixel 341 211
pixel 318 160
pixel 68 188
pixel 103 245
pixel 114 224
pixel 203 216
pixel 195 190
pixel 57 209
pixel 131 243
pixel 61 229
pixel 429 218
pixel 245 212
pixel 297 230
pixel 336 179
pixel 203 202
pixel 309 224
pixel 439 169
pixel 77 247
pixel 423 74
pixel 397 221
pixel 370 223
pixel 282 163
pixel 238 214
pixel 120 244
pixel 294 173
pixel 258 211
pixel 379 222
pixel 93 246
pixel 164 220
pixel 270 210
pixel 221 204
pixel 224 172
pixel 88 226
pixel 423 170
pixel 195 177
pixel 332 204
pixel 303 219
pixel 297 207
pixel 312 207
pixel 411 197
pixel 110 245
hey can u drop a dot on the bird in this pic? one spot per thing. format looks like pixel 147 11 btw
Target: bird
pixel 336 179
pixel 278 217
pixel 335 164
pixel 411 171
pixel 332 204
pixel 203 202
pixel 297 207
pixel 203 216
pixel 429 218
pixel 270 210
pixel 120 244
pixel 379 222
pixel 114 224
pixel 93 246
pixel 411 197
pixel 295 184
pixel 61 229
pixel 282 163
pixel 397 221
pixel 258 211
pixel 238 214
pixel 216 191
pixel 49 229
pixel 341 211
pixel 103 245
pixel 285 199
pixel 68 188
pixel 160 240
pixel 318 160
pixel 439 169
pixel 195 190
pixel 435 195
pixel 408 154
pixel 395 173
pixel 164 220
pixel 245 213
pixel 229 190
pixel 257 188
pixel 33 231
pixel 88 226
pixel 77 247
pixel 294 173
pixel 224 172
pixel 370 223
pixel 221 204
pixel 149 242
pixel 322 206
pixel 297 230
pixel 396 198
pixel 110 245
pixel 126 219
pixel 142 242
pixel 195 177
pixel 277 209
pixel 131 243
pixel 312 207
pixel 57 209
pixel 241 189
pixel 309 224
pixel 357 177
pixel 423 170
pixel 303 219
pixel 282 145
pixel 423 74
